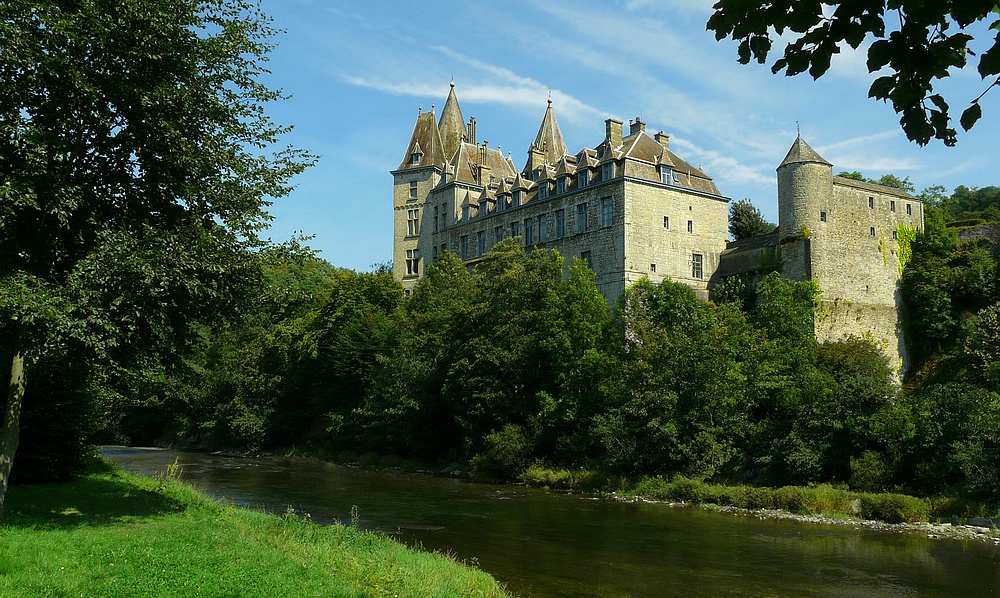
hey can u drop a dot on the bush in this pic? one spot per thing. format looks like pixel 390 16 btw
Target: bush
pixel 870 472
pixel 894 508
pixel 505 454
pixel 538 474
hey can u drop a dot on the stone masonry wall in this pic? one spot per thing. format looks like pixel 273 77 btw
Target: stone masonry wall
pixel 599 242
pixel 855 261
pixel 662 251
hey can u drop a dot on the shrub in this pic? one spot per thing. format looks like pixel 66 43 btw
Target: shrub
pixel 894 508
pixel 795 499
pixel 870 472
pixel 538 474
pixel 505 454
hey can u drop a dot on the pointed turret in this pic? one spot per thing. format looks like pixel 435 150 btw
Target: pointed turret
pixel 800 153
pixel 425 147
pixel 452 124
pixel 549 145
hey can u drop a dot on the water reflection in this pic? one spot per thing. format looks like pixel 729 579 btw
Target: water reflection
pixel 544 544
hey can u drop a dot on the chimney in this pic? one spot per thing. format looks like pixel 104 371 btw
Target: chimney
pixel 636 127
pixel 484 169
pixel 472 130
pixel 663 139
pixel 613 133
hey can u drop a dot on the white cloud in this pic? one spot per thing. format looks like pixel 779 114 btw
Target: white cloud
pixel 723 167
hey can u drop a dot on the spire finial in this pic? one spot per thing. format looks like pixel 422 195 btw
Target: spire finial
pixel 798 131
pixel 550 97
pixel 453 81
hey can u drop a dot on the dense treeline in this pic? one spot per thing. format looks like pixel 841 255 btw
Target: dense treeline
pixel 520 362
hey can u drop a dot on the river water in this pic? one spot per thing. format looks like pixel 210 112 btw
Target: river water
pixel 539 543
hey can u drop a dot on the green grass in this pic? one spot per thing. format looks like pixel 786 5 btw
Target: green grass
pixel 114 534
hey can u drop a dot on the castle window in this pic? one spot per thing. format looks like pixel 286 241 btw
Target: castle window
pixel 581 218
pixel 529 230
pixel 415 158
pixel 822 216
pixel 560 224
pixel 412 222
pixel 434 253
pixel 515 229
pixel 583 178
pixel 542 225
pixel 666 223
pixel 871 202
pixel 607 211
pixel 435 219
pixel 872 231
pixel 652 267
pixel 543 190
pixel 515 198
pixel 484 208
pixel 561 185
pixel 481 242
pixel 666 175
pixel 413 190
pixel 690 226
pixel 501 203
pixel 697 270
pixel 412 262
pixel 909 210
pixel 497 234
pixel 463 248
pixel 444 247
pixel 585 256
pixel 892 205
pixel 444 215
pixel 895 235
pixel 607 171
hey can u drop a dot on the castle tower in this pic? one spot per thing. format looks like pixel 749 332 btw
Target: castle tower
pixel 548 146
pixel 418 173
pixel 805 188
pixel 452 125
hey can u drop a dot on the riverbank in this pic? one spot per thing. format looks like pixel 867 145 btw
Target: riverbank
pixel 116 534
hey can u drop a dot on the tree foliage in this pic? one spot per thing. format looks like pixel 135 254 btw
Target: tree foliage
pixel 131 174
pixel 918 43
pixel 746 220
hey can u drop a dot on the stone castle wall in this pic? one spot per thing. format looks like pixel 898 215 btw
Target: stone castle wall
pixel 664 252
pixel 855 260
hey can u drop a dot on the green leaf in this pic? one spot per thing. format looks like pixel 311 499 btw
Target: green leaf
pixel 972 114
pixel 881 88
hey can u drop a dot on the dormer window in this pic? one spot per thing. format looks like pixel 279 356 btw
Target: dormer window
pixel 501 203
pixel 483 208
pixel 415 158
pixel 666 175
pixel 543 190
pixel 516 198
pixel 607 171
pixel 561 184
pixel 583 178
pixel 465 212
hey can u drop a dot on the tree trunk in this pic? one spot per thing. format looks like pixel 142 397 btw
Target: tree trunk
pixel 10 432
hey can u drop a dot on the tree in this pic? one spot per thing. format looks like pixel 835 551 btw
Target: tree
pixel 131 178
pixel 745 220
pixel 886 180
pixel 915 40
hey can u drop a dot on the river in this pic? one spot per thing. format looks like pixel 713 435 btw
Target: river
pixel 541 543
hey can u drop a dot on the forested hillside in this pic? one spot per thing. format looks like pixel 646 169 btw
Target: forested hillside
pixel 520 361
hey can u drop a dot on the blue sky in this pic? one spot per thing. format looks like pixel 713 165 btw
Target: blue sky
pixel 358 72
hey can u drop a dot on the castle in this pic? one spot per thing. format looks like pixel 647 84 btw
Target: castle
pixel 632 208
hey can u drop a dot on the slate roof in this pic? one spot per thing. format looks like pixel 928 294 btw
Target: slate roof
pixel 426 138
pixel 452 124
pixel 801 153
pixel 549 138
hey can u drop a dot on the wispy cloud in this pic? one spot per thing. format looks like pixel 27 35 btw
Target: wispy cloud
pixel 724 167
pixel 503 87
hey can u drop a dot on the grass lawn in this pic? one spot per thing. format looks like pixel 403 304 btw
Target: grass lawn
pixel 114 534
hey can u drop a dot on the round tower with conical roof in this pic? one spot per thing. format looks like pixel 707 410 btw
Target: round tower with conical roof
pixel 805 188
